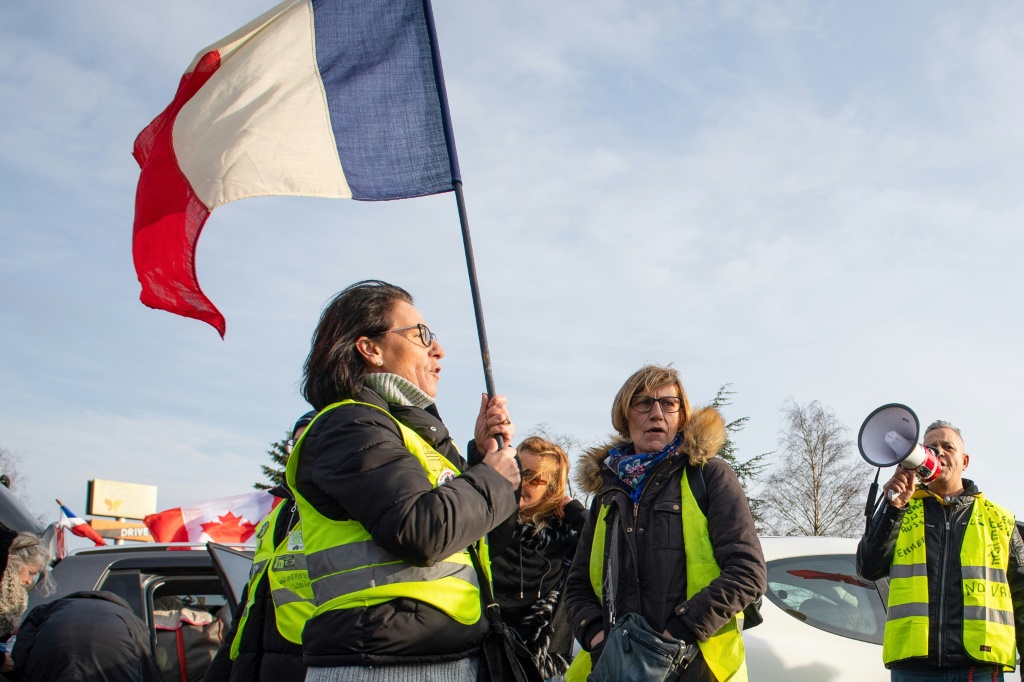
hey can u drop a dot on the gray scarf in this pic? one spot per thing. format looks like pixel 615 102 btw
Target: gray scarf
pixel 397 390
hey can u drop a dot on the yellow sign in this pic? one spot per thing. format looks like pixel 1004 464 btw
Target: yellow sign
pixel 120 500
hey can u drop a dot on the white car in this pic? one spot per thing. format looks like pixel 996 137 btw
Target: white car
pixel 822 622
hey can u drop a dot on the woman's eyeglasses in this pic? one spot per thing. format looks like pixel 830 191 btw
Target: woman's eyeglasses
pixel 532 478
pixel 427 337
pixel 645 403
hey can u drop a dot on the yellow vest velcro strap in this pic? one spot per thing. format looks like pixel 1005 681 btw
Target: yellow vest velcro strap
pixel 995 575
pixel 347 557
pixel 908 571
pixel 908 610
pixel 331 586
pixel 285 596
pixel 290 562
pixel 991 615
pixel 257 566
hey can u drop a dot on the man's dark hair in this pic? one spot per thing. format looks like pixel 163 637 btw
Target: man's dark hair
pixel 334 369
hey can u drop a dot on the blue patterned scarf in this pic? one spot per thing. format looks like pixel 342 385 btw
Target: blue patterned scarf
pixel 634 468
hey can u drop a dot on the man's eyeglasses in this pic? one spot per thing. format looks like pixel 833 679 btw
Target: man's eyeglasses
pixel 645 403
pixel 427 337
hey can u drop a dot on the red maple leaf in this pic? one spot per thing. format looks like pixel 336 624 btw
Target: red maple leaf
pixel 229 528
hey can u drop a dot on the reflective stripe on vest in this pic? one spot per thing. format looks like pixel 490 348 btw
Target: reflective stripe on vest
pixel 988 625
pixel 287 579
pixel 290 587
pixel 723 651
pixel 348 569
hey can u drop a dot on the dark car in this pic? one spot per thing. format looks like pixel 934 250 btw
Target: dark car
pixel 185 594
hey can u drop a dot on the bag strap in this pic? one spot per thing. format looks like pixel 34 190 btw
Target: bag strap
pixel 493 611
pixel 609 567
pixel 698 486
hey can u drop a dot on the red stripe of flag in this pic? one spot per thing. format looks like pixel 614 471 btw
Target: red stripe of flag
pixel 169 215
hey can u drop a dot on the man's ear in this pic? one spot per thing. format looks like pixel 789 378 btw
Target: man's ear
pixel 967 458
pixel 369 349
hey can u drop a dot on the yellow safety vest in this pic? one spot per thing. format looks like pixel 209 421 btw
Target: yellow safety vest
pixel 988 626
pixel 285 568
pixel 723 651
pixel 347 569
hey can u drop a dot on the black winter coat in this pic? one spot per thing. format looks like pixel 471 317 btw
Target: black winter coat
pixel 944 524
pixel 84 637
pixel 651 559
pixel 353 465
pixel 263 654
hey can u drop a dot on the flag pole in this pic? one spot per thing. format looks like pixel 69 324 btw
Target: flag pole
pixel 474 288
pixel 460 200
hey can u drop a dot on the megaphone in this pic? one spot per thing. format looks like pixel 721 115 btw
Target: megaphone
pixel 890 436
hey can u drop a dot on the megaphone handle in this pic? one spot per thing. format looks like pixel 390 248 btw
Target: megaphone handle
pixel 869 508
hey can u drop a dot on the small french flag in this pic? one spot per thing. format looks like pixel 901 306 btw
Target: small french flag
pixel 78 526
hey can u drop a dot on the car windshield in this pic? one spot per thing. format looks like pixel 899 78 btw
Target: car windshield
pixel 825 592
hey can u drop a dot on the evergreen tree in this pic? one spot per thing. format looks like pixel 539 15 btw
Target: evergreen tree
pixel 749 471
pixel 279 457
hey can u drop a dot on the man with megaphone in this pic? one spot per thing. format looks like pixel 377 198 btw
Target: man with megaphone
pixel 955 561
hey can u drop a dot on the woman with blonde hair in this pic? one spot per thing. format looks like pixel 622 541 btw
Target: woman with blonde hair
pixel 669 556
pixel 530 575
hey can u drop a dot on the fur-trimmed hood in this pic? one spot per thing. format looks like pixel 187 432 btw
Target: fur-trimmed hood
pixel 702 439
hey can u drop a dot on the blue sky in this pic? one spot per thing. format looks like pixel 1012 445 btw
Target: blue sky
pixel 811 200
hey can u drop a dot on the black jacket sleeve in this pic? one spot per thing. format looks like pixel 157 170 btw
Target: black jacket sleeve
pixel 585 610
pixel 357 460
pixel 737 550
pixel 876 547
pixel 1015 576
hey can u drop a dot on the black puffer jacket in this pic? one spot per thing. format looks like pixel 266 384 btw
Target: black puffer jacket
pixel 84 637
pixel 651 561
pixel 352 464
pixel 944 524
pixel 263 654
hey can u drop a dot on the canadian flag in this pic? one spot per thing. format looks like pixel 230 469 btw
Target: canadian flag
pixel 231 520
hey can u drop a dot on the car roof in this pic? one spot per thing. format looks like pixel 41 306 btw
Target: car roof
pixel 16 516
pixel 782 547
pixel 158 548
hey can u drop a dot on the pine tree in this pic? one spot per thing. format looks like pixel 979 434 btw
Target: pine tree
pixel 749 471
pixel 279 456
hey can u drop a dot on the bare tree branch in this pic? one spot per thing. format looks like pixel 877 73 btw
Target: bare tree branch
pixel 819 486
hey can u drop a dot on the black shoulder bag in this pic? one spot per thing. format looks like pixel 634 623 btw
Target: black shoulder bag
pixel 633 651
pixel 499 662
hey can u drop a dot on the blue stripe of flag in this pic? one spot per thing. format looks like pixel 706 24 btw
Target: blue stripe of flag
pixel 388 110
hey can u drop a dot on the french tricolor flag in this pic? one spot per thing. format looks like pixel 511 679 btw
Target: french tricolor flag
pixel 78 526
pixel 325 98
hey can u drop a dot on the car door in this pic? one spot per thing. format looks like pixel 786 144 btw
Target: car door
pixel 233 566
